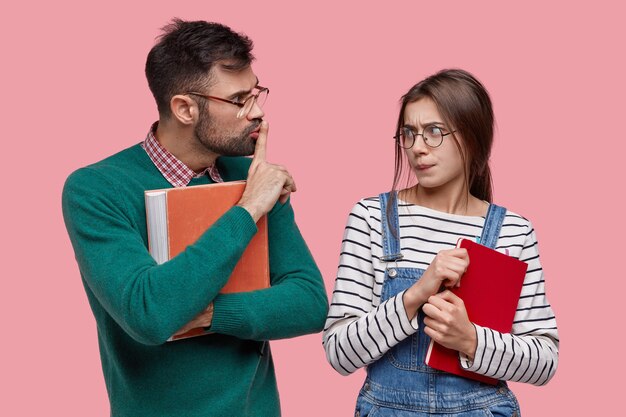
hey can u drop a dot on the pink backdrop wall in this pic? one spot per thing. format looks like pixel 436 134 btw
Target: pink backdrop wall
pixel 73 92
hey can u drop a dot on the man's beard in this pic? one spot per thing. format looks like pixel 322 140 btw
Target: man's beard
pixel 225 143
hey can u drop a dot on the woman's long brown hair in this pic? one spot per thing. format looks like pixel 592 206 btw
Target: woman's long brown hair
pixel 465 106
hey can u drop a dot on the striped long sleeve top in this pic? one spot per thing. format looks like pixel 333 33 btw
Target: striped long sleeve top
pixel 360 328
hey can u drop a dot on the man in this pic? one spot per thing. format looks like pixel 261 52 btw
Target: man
pixel 210 115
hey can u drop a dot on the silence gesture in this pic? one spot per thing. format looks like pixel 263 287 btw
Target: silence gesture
pixel 267 183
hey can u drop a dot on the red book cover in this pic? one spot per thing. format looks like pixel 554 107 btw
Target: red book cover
pixel 490 290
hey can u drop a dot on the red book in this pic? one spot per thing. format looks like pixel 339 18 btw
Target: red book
pixel 490 290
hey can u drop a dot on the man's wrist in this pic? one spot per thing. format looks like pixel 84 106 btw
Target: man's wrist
pixel 254 213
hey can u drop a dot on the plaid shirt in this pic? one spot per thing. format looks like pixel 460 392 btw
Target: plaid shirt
pixel 173 169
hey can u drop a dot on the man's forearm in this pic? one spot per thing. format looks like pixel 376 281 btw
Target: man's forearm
pixel 295 304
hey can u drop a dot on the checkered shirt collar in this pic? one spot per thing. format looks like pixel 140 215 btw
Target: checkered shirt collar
pixel 173 169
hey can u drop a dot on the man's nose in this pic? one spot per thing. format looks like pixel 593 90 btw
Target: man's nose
pixel 256 112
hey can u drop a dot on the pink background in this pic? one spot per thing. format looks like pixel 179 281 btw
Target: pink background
pixel 73 92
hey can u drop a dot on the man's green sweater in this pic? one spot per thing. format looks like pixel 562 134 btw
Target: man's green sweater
pixel 138 304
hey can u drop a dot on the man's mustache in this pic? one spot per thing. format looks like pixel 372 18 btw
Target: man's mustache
pixel 255 124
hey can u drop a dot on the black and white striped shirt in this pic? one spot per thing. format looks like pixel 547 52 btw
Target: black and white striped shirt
pixel 360 329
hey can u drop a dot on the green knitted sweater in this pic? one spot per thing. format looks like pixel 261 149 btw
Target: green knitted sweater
pixel 138 304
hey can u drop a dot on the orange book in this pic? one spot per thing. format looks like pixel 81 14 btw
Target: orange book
pixel 490 290
pixel 177 217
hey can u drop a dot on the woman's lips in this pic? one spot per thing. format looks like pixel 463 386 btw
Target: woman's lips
pixel 424 167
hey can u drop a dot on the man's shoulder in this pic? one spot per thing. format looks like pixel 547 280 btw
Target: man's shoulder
pixel 122 160
pixel 108 171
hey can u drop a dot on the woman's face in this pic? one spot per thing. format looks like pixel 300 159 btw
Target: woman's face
pixel 440 167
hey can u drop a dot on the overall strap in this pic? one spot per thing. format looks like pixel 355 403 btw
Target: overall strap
pixel 493 224
pixel 391 243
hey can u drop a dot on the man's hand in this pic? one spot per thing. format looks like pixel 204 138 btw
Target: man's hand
pixel 201 320
pixel 267 182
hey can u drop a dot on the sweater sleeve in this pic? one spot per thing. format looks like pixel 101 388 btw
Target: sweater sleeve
pixel 359 329
pixel 530 352
pixel 142 297
pixel 296 301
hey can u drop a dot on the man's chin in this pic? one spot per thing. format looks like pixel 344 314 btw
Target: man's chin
pixel 246 148
pixel 239 152
pixel 249 149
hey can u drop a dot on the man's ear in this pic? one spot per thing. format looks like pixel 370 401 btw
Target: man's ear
pixel 184 109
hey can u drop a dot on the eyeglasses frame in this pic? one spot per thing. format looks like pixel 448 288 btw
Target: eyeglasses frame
pixel 415 134
pixel 239 104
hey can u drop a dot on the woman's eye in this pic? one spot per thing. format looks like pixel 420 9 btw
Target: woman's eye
pixel 407 132
pixel 434 130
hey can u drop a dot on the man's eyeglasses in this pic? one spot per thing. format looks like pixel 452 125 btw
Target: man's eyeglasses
pixel 244 106
pixel 433 136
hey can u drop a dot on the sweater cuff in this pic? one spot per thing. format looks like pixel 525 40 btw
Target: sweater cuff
pixel 242 218
pixel 229 315
pixel 482 350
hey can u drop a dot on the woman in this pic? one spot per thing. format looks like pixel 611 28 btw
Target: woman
pixel 399 251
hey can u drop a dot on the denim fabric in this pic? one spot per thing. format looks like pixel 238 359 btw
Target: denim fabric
pixel 400 383
pixel 391 244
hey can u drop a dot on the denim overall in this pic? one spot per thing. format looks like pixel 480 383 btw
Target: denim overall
pixel 400 383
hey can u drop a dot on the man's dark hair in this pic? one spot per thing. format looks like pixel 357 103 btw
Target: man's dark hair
pixel 185 54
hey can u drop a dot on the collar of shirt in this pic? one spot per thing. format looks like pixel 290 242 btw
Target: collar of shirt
pixel 173 169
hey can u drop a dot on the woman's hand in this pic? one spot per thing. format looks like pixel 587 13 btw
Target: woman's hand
pixel 445 270
pixel 447 323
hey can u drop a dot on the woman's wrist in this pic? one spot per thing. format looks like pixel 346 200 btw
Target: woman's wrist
pixel 413 298
pixel 472 343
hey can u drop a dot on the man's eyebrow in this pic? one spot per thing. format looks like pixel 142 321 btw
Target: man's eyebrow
pixel 243 92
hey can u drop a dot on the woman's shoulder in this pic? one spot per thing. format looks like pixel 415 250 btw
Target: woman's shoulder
pixel 372 202
pixel 513 220
pixel 367 204
pixel 367 208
